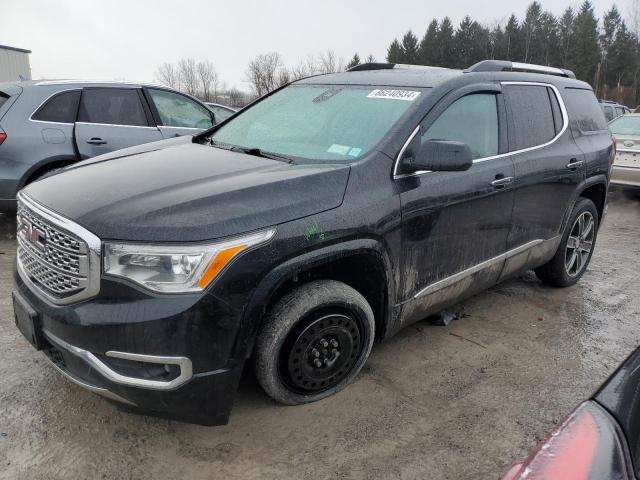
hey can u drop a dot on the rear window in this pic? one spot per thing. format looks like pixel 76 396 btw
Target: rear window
pixel 584 111
pixel 530 116
pixel 61 108
pixel 627 125
pixel 3 99
pixel 112 106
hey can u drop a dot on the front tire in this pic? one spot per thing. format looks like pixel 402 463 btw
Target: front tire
pixel 314 342
pixel 575 249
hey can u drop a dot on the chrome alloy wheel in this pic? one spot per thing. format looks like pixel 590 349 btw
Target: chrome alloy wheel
pixel 579 244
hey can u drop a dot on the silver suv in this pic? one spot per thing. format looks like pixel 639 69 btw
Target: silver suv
pixel 46 125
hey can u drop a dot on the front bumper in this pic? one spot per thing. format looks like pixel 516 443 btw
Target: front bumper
pixel 161 356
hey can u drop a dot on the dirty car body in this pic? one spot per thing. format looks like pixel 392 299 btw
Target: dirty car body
pixel 402 241
pixel 626 166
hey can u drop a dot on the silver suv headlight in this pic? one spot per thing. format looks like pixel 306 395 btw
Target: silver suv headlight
pixel 176 268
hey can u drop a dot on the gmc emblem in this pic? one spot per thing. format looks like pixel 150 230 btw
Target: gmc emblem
pixel 32 234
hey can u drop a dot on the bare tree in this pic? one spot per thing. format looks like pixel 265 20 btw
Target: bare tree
pixel 305 68
pixel 329 63
pixel 168 75
pixel 236 98
pixel 262 72
pixel 188 72
pixel 370 59
pixel 208 79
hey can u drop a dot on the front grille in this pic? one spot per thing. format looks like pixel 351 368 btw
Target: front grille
pixel 54 259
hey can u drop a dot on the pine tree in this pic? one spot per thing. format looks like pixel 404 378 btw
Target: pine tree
pixel 566 36
pixel 354 62
pixel 446 53
pixel 531 28
pixel 586 49
pixel 514 40
pixel 611 24
pixel 410 48
pixel 427 51
pixel 394 52
pixel 547 51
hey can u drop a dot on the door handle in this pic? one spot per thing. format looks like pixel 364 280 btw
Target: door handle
pixel 501 181
pixel 96 141
pixel 574 163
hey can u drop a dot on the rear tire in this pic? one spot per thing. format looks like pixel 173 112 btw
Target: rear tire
pixel 575 249
pixel 314 342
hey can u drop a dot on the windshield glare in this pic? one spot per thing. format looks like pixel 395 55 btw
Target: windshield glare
pixel 626 125
pixel 319 122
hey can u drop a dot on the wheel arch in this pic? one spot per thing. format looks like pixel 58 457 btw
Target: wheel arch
pixel 595 189
pixel 362 264
pixel 44 166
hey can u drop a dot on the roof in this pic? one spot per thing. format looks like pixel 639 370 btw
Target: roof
pixel 40 83
pixel 398 75
pixel 15 49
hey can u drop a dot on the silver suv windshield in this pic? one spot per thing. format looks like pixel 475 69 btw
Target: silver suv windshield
pixel 318 122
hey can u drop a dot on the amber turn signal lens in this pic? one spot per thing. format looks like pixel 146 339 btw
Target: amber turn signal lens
pixel 218 263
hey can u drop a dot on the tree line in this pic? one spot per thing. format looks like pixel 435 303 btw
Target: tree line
pixel 605 53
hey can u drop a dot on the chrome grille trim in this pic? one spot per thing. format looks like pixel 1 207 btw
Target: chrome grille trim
pixel 66 268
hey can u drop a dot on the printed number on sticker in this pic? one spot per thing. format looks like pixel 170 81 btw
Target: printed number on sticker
pixel 407 95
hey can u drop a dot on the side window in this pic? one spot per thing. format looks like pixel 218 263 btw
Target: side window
pixel 176 110
pixel 61 108
pixel 221 113
pixel 584 111
pixel 473 120
pixel 530 116
pixel 608 112
pixel 619 111
pixel 114 106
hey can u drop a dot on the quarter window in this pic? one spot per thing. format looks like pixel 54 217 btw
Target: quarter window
pixel 472 119
pixel 61 108
pixel 113 106
pixel 530 116
pixel 176 110
pixel 584 110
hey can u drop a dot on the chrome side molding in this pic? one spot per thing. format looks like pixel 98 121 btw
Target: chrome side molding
pixel 455 278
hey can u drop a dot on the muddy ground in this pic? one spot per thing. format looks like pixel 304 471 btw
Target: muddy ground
pixel 456 402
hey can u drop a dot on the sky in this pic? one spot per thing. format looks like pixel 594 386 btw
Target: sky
pixel 128 40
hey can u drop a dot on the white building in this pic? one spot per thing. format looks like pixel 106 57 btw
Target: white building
pixel 14 64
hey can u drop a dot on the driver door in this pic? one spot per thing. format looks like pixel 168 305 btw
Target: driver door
pixel 455 224
pixel 177 114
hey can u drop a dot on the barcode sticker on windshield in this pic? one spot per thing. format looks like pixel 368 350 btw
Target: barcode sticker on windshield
pixel 407 95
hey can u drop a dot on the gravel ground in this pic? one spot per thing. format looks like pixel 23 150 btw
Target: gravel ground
pixel 453 402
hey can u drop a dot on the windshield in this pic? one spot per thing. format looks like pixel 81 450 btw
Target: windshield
pixel 626 125
pixel 318 122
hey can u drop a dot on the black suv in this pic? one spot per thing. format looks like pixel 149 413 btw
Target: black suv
pixel 329 213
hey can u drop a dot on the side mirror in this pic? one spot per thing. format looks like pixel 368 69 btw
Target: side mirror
pixel 438 156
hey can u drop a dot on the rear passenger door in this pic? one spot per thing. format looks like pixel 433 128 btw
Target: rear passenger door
pixel 548 163
pixel 113 118
pixel 177 114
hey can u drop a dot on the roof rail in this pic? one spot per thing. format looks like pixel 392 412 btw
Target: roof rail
pixel 507 66
pixel 388 66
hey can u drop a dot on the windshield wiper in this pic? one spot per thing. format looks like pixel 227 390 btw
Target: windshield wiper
pixel 262 153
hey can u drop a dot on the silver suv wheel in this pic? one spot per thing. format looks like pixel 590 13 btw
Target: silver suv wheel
pixel 579 244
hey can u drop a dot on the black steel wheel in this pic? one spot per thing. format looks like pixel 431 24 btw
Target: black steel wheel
pixel 314 342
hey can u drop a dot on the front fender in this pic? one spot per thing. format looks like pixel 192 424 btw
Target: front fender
pixel 292 267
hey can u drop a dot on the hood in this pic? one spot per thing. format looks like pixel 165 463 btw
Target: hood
pixel 187 192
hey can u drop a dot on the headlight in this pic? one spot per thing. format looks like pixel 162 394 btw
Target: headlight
pixel 176 268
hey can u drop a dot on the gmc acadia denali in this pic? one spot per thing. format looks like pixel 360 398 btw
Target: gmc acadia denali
pixel 329 213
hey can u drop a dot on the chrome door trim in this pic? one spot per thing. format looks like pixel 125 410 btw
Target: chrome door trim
pixel 116 125
pixel 186 368
pixel 565 125
pixel 456 277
